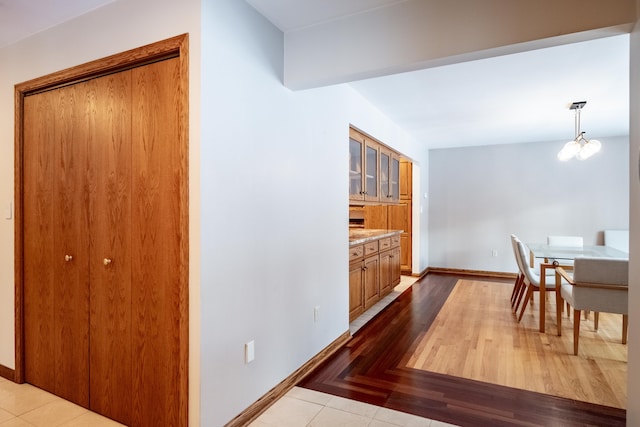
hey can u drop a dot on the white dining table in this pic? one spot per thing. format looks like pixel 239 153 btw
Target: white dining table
pixel 563 257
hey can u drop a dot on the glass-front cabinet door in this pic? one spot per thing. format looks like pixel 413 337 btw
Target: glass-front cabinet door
pixel 356 190
pixel 385 178
pixel 395 178
pixel 389 176
pixel 371 176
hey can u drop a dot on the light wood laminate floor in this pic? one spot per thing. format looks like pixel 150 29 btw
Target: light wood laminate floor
pixel 475 336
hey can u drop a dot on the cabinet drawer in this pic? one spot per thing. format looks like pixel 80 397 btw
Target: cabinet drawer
pixel 370 248
pixel 356 252
pixel 385 243
pixel 395 241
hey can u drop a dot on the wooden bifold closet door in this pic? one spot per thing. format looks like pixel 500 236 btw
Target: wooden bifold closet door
pixel 104 200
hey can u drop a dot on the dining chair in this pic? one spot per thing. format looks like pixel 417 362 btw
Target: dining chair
pixel 518 286
pixel 598 284
pixel 618 239
pixel 531 280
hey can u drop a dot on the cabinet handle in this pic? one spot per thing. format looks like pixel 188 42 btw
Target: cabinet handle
pixel 68 258
pixel 106 261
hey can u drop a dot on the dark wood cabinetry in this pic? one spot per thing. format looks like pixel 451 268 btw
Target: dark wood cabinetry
pixel 374 269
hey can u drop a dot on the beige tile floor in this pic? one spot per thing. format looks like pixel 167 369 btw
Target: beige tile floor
pixel 23 405
pixel 301 407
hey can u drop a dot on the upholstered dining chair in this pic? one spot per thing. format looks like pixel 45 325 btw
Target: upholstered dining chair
pixel 531 279
pixel 599 285
pixel 519 285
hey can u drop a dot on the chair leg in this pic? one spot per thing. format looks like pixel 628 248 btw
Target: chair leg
pixel 596 317
pixel 576 330
pixel 516 289
pixel 568 311
pixel 522 291
pixel 526 301
pixel 559 307
pixel 625 327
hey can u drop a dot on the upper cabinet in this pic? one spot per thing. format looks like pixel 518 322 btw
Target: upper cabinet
pixel 389 176
pixel 374 170
pixel 364 157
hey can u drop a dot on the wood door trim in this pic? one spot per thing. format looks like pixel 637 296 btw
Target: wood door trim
pixel 173 47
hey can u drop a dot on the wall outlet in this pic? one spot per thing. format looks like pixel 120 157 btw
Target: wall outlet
pixel 249 352
pixel 316 313
pixel 494 252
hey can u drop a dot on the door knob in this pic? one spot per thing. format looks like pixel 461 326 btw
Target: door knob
pixel 106 261
pixel 68 258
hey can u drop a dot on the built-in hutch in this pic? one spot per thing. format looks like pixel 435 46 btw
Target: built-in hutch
pixel 379 220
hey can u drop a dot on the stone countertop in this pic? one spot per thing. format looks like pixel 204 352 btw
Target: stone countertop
pixel 358 236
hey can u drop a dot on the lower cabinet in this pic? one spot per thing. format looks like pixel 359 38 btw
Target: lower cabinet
pixel 389 270
pixel 371 280
pixel 356 301
pixel 374 269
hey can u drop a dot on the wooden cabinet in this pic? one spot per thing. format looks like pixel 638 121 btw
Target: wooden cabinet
pixel 399 218
pixel 371 280
pixel 374 170
pixel 390 266
pixel 364 157
pixel 374 269
pixel 356 301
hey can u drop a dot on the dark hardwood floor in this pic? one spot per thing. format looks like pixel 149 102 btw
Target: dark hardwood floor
pixel 372 368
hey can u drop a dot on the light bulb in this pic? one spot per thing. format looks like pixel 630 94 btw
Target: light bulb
pixel 589 149
pixel 569 150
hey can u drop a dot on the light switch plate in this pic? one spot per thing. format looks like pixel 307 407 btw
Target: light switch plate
pixel 8 211
pixel 249 352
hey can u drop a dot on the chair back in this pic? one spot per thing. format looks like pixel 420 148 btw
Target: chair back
pixel 606 271
pixel 569 241
pixel 514 247
pixel 618 239
pixel 528 272
pixel 600 272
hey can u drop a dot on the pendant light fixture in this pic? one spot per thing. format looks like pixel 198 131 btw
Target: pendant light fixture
pixel 581 148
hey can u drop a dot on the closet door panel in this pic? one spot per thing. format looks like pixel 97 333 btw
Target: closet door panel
pixel 110 253
pixel 38 239
pixel 159 236
pixel 71 245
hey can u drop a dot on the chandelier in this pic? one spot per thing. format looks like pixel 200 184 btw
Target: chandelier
pixel 581 148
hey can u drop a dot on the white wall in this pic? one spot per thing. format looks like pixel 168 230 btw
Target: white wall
pixel 633 357
pixel 117 27
pixel 480 195
pixel 274 209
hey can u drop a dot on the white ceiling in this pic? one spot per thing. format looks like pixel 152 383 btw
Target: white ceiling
pixel 22 18
pixel 522 97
